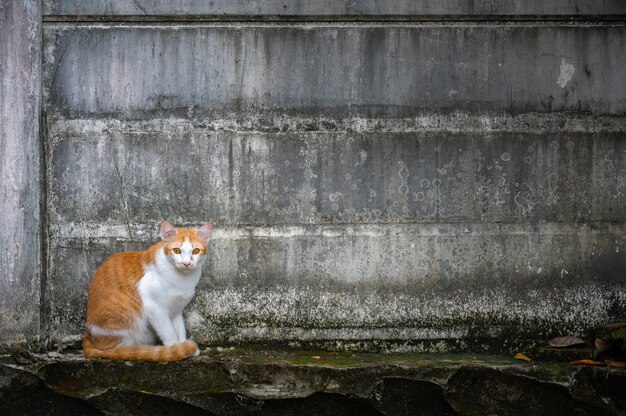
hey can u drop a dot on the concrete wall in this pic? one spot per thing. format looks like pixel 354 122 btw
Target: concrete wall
pixel 20 170
pixel 426 177
pixel 342 10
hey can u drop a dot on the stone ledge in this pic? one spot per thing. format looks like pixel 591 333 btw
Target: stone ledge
pixel 236 381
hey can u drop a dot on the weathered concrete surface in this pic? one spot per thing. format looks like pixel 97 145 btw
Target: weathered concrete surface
pixel 330 8
pixel 182 172
pixel 294 282
pixel 20 161
pixel 249 382
pixel 368 69
pixel 342 234
pixel 409 182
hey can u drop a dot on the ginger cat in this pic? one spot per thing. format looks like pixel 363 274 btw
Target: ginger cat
pixel 137 298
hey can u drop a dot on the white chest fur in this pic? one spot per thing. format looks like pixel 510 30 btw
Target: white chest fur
pixel 164 292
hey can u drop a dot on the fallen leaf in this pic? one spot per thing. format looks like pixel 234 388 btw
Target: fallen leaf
pixel 566 341
pixel 266 354
pixel 316 357
pixel 616 363
pixel 586 362
pixel 520 356
pixel 333 353
pixel 243 356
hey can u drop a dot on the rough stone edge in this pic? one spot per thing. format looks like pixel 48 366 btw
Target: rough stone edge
pixel 270 380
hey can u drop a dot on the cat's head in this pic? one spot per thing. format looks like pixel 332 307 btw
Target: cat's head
pixel 185 249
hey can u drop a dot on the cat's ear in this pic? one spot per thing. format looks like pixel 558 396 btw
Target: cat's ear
pixel 167 231
pixel 204 232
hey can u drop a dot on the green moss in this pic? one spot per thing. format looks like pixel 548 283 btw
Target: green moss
pixel 359 359
pixel 564 354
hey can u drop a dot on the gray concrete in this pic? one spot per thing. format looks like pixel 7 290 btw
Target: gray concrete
pixel 399 181
pixel 125 174
pixel 20 162
pixel 373 282
pixel 338 70
pixel 331 8
pixel 407 232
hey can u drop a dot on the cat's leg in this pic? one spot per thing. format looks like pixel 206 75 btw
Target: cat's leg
pixel 160 321
pixel 179 327
pixel 144 334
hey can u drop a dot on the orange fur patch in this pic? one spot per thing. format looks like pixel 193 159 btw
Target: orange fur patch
pixel 175 352
pixel 181 236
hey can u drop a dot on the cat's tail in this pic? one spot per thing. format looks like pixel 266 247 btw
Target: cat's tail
pixel 174 352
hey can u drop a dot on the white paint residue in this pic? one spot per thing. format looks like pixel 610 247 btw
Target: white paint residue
pixel 567 72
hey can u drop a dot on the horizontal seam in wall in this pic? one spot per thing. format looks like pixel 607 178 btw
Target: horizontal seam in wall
pixel 339 23
pixel 273 18
pixel 230 232
pixel 532 123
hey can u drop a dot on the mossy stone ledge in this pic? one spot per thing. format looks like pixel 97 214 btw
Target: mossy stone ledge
pixel 286 382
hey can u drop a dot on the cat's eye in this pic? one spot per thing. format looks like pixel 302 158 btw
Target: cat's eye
pixel 176 250
pixel 196 251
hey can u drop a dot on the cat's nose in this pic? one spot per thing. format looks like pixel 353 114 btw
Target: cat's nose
pixel 187 265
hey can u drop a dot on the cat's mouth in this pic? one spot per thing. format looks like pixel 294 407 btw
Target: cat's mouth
pixel 185 267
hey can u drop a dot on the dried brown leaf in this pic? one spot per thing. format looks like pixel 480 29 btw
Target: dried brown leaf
pixel 616 363
pixel 587 362
pixel 566 341
pixel 316 357
pixel 520 356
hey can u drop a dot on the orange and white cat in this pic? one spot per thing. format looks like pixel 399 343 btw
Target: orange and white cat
pixel 137 298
